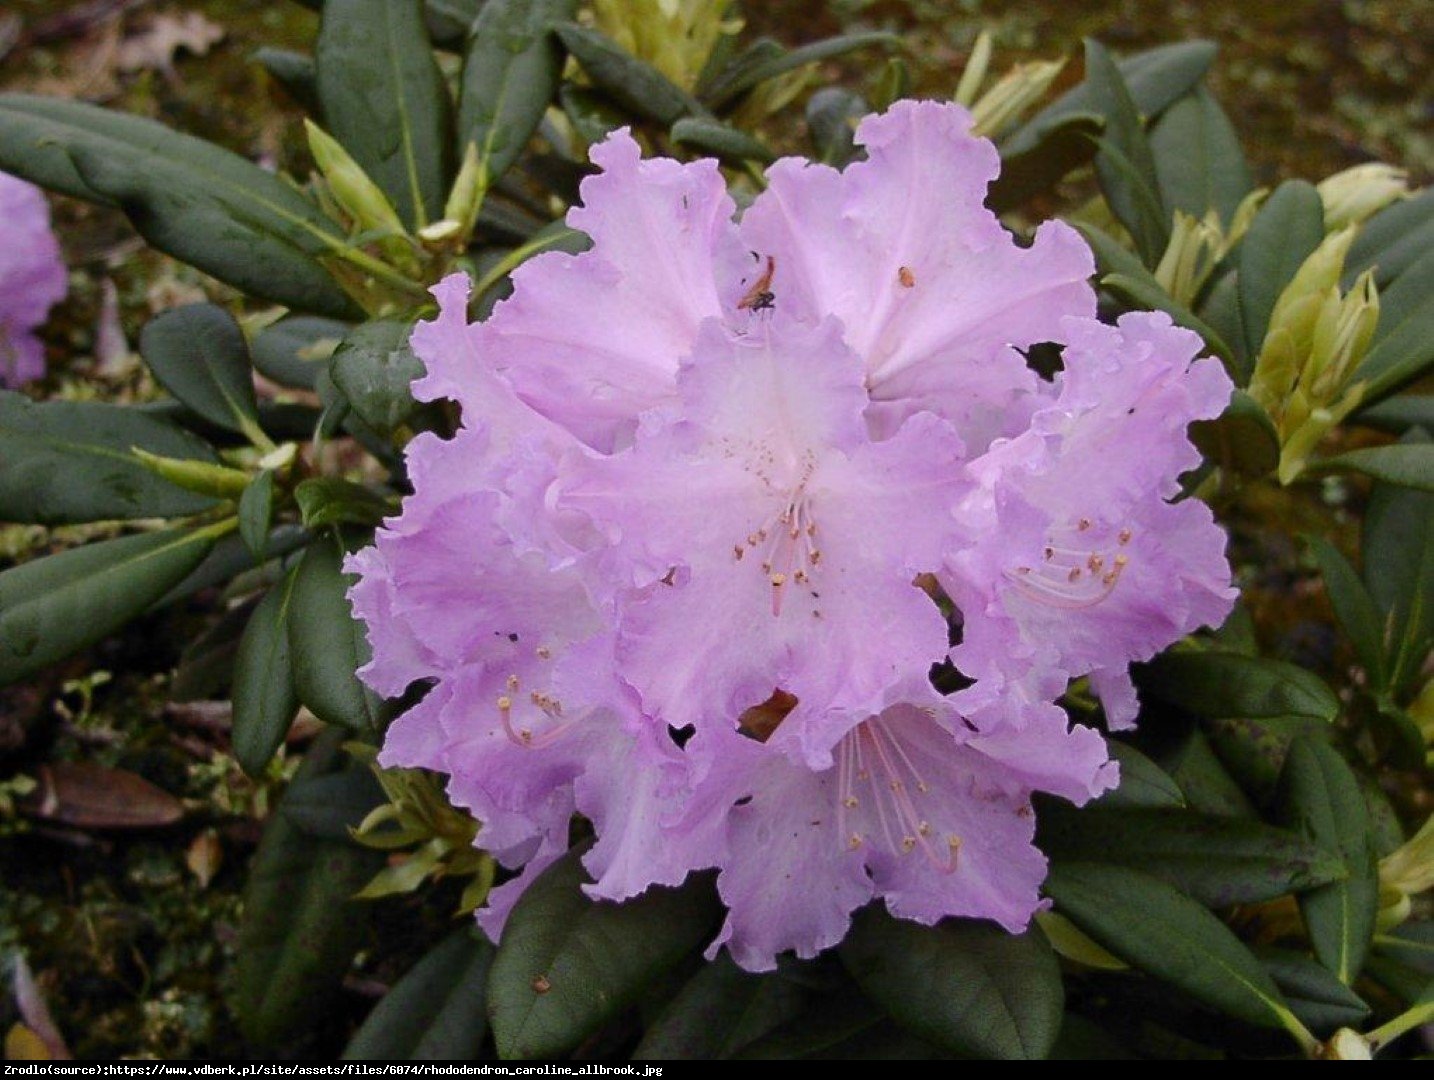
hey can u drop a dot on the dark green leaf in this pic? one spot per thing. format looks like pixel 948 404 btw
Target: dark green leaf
pixel 231 557
pixel 832 116
pixel 1082 1040
pixel 720 1010
pixel 206 666
pixel 1403 346
pixel 295 72
pixel 199 355
pixel 62 603
pixel 292 351
pixel 1398 415
pixel 1354 608
pixel 1282 235
pixel 1062 147
pixel 567 965
pixel 436 1011
pixel 1398 557
pixel 373 368
pixel 1320 797
pixel 966 986
pixel 1220 684
pixel 256 513
pixel 187 197
pixel 1409 465
pixel 721 140
pixel 1124 163
pixel 1393 240
pixel 743 76
pixel 1242 439
pixel 634 84
pixel 327 644
pixel 1320 1000
pixel 1142 782
pixel 300 928
pixel 1218 861
pixel 265 701
pixel 592 115
pixel 1165 934
pixel 327 500
pixel 68 462
pixel 330 807
pixel 730 65
pixel 510 73
pixel 1254 751
pixel 830 1026
pixel 385 100
pixel 1155 78
pixel 1220 310
pixel 450 22
pixel 1198 158
pixel 1207 784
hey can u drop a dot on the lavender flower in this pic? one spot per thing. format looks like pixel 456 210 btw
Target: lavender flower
pixel 676 571
pixel 32 279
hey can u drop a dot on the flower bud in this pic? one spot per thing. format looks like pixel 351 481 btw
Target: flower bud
pixel 674 36
pixel 1012 96
pixel 1355 194
pixel 1346 1045
pixel 1409 868
pixel 975 72
pixel 359 196
pixel 201 477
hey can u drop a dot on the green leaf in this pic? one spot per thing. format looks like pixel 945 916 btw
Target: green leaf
pixel 634 84
pixel 436 1011
pixel 333 806
pixel 719 1011
pixel 592 115
pixel 1398 415
pixel 567 965
pixel 450 22
pixel 1254 750
pixel 373 368
pixel 1156 928
pixel 1198 159
pixel 262 689
pixel 840 1027
pixel 832 115
pixel 511 70
pixel 1216 860
pixel 256 513
pixel 1354 608
pixel 199 355
pixel 385 100
pixel 59 604
pixel 1409 465
pixel 1202 776
pixel 1220 310
pixel 1124 163
pixel 1320 1000
pixel 1154 78
pixel 231 557
pixel 1221 684
pixel 1242 439
pixel 1142 781
pixel 327 500
pixel 292 351
pixel 187 197
pixel 1398 557
pixel 68 462
pixel 721 140
pixel 1284 233
pixel 1403 346
pixel 1321 798
pixel 749 71
pixel 327 644
pixel 295 72
pixel 963 985
pixel 1063 146
pixel 206 666
pixel 300 929
pixel 1393 240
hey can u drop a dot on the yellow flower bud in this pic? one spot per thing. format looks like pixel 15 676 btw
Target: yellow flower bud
pixel 1013 96
pixel 1409 868
pixel 352 189
pixel 1355 194
pixel 674 36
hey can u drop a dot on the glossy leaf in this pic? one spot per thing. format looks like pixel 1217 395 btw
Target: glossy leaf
pixel 1243 439
pixel 1393 240
pixel 206 666
pixel 385 100
pixel 1142 781
pixel 199 355
pixel 1224 684
pixel 1284 233
pixel 1063 146
pixel 327 500
pixel 1321 798
pixel 1409 465
pixel 1156 928
pixel 1145 293
pixel 300 929
pixel 829 1027
pixel 256 513
pixel 295 72
pixel 1315 995
pixel 436 1011
pixel 327 644
pixel 1398 415
pixel 332 806
pixel 634 84
pixel 511 69
pixel 965 986
pixel 741 77
pixel 187 197
pixel 373 368
pixel 230 557
pixel 59 604
pixel 718 139
pixel 265 701
pixel 719 1011
pixel 1254 750
pixel 1208 785
pixel 832 115
pixel 1354 608
pixel 292 351
pixel 1398 565
pixel 67 462
pixel 567 965
pixel 1216 860
pixel 1198 159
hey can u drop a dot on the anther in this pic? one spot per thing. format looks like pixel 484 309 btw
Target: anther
pixel 778 580
pixel 512 682
pixel 908 844
pixel 737 552
pixel 854 841
pixel 544 653
pixel 1083 524
pixel 1124 536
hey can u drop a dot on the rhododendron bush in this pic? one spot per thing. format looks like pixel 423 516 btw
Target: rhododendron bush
pixel 795 597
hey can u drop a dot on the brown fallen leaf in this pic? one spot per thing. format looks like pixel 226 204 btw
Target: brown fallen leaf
pixel 83 795
pixel 204 856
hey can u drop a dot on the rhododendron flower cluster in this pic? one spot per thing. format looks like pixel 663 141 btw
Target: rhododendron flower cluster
pixel 32 279
pixel 727 489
